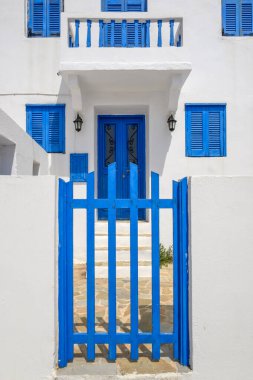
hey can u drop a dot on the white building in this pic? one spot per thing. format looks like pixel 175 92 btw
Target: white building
pixel 208 68
pixel 125 67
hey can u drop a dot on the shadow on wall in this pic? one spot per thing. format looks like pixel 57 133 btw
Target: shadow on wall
pixel 160 148
pixel 7 156
pixel 59 163
pixel 18 151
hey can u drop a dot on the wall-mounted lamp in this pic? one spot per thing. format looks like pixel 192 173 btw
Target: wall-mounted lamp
pixel 171 123
pixel 78 123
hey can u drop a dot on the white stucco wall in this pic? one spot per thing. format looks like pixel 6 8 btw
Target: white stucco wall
pixel 221 72
pixel 28 277
pixel 221 263
pixel 18 151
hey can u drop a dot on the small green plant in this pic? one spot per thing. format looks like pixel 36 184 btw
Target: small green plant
pixel 166 255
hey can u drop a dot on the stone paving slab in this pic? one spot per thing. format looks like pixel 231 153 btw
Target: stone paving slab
pixel 123 365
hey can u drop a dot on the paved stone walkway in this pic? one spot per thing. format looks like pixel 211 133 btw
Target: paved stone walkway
pixel 144 365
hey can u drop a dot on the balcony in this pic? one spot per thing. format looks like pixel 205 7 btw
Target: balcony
pixel 135 50
pixel 137 33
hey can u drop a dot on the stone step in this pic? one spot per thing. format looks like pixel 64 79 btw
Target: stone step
pixel 122 256
pixel 122 228
pixel 122 241
pixel 122 263
pixel 122 249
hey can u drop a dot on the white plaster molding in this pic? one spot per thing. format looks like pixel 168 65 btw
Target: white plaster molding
pixel 76 94
pixel 177 82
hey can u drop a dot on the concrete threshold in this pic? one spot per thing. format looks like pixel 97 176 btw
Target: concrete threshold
pixel 123 369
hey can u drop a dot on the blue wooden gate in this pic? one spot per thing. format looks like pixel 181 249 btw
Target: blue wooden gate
pixel 180 335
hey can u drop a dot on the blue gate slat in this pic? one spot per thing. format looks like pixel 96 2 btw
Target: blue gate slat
pixel 112 259
pixel 124 338
pixel 134 261
pixel 70 270
pixel 175 269
pixel 62 280
pixel 155 267
pixel 90 268
pixel 184 319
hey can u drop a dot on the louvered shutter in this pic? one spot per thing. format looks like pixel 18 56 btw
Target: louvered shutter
pixel 195 133
pixel 231 16
pixel 131 34
pixel 55 130
pixel 114 5
pixel 37 17
pixel 78 167
pixel 246 17
pixel 215 133
pixel 36 125
pixel 117 34
pixel 53 19
pixel 205 130
pixel 135 5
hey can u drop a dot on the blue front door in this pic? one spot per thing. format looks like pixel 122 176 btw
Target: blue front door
pixel 121 139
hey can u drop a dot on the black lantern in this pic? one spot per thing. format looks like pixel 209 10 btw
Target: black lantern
pixel 171 123
pixel 78 123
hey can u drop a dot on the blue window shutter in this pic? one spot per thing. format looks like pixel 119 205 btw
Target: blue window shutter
pixel 46 125
pixel 53 17
pixel 215 133
pixel 117 34
pixel 195 132
pixel 55 130
pixel 78 167
pixel 231 17
pixel 247 17
pixel 135 5
pixel 35 125
pixel 114 5
pixel 206 130
pixel 131 34
pixel 124 5
pixel 37 17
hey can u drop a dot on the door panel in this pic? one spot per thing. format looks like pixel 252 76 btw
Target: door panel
pixel 121 139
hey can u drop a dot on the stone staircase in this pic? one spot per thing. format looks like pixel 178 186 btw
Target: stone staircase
pixel 123 249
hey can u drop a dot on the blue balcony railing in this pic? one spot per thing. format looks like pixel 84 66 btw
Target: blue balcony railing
pixel 124 33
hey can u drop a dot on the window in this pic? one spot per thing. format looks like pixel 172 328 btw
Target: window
pixel 205 130
pixel 46 125
pixel 124 5
pixel 237 18
pixel 78 167
pixel 44 18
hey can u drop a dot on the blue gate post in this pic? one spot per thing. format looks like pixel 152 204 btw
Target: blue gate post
pixel 180 271
pixel 184 276
pixel 175 270
pixel 62 279
pixel 70 271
